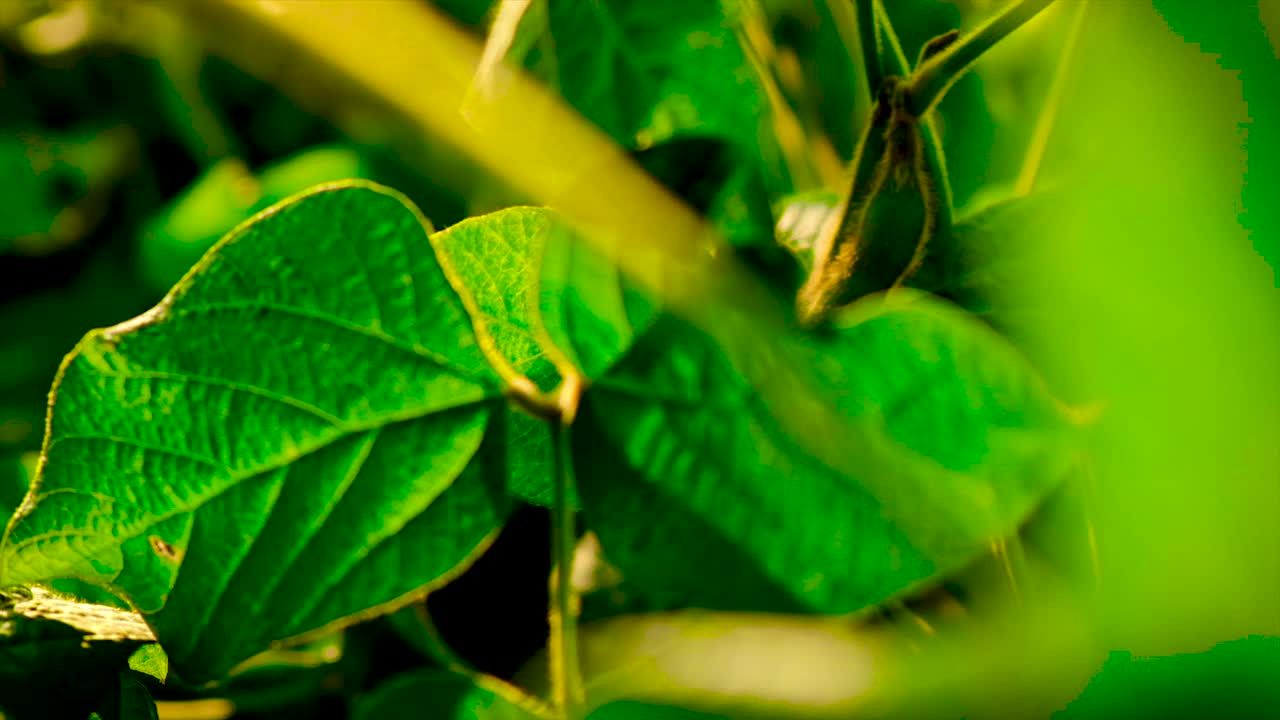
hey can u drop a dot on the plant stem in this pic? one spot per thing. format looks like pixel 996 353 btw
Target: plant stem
pixel 935 158
pixel 872 68
pixel 892 57
pixel 932 80
pixel 566 670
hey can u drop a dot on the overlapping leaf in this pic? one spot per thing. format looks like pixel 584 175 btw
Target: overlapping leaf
pixel 955 438
pixel 538 294
pixel 675 81
pixel 290 439
pixel 539 298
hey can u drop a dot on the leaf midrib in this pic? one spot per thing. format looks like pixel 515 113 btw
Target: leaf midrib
pixel 235 479
pixel 440 361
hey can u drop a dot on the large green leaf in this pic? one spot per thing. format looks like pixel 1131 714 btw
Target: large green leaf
pixel 951 440
pixel 290 439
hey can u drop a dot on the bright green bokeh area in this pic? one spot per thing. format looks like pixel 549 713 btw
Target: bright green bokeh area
pixel 1165 308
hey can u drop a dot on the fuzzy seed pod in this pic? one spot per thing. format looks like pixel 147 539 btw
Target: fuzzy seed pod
pixel 890 216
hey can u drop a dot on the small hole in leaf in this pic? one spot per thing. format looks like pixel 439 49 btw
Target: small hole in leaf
pixel 163 549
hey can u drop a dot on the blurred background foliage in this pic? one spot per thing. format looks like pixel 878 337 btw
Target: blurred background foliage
pixel 131 140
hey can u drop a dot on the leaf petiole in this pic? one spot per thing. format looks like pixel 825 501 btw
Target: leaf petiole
pixel 869 39
pixel 933 78
pixel 566 670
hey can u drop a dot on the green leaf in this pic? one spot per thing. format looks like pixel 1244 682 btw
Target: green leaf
pixel 986 262
pixel 492 261
pixel 150 660
pixel 440 694
pixel 719 180
pixel 539 296
pixel 291 439
pixel 224 196
pixel 673 80
pixel 646 72
pixel 952 438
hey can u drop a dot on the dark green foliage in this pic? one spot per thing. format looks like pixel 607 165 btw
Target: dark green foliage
pixel 341 407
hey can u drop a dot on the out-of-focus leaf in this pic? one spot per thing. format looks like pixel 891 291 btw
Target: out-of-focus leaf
pixel 718 180
pixel 226 195
pixel 673 80
pixel 1235 679
pixel 13 484
pixel 737 516
pixel 55 185
pixel 438 694
pixel 1247 49
pixel 647 72
pixel 291 438
pixel 294 679
pixel 215 203
pixel 724 182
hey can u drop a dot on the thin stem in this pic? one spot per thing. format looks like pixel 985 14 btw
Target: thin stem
pixel 935 157
pixel 872 68
pixel 891 55
pixel 932 80
pixel 566 669
pixel 1049 113
pixel 439 649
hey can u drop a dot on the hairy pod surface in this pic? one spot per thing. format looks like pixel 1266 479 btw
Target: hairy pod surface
pixel 891 214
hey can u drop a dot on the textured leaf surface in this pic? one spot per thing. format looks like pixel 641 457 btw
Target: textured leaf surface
pixel 288 440
pixel 539 297
pixel 961 441
pixel 537 292
pixel 150 660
